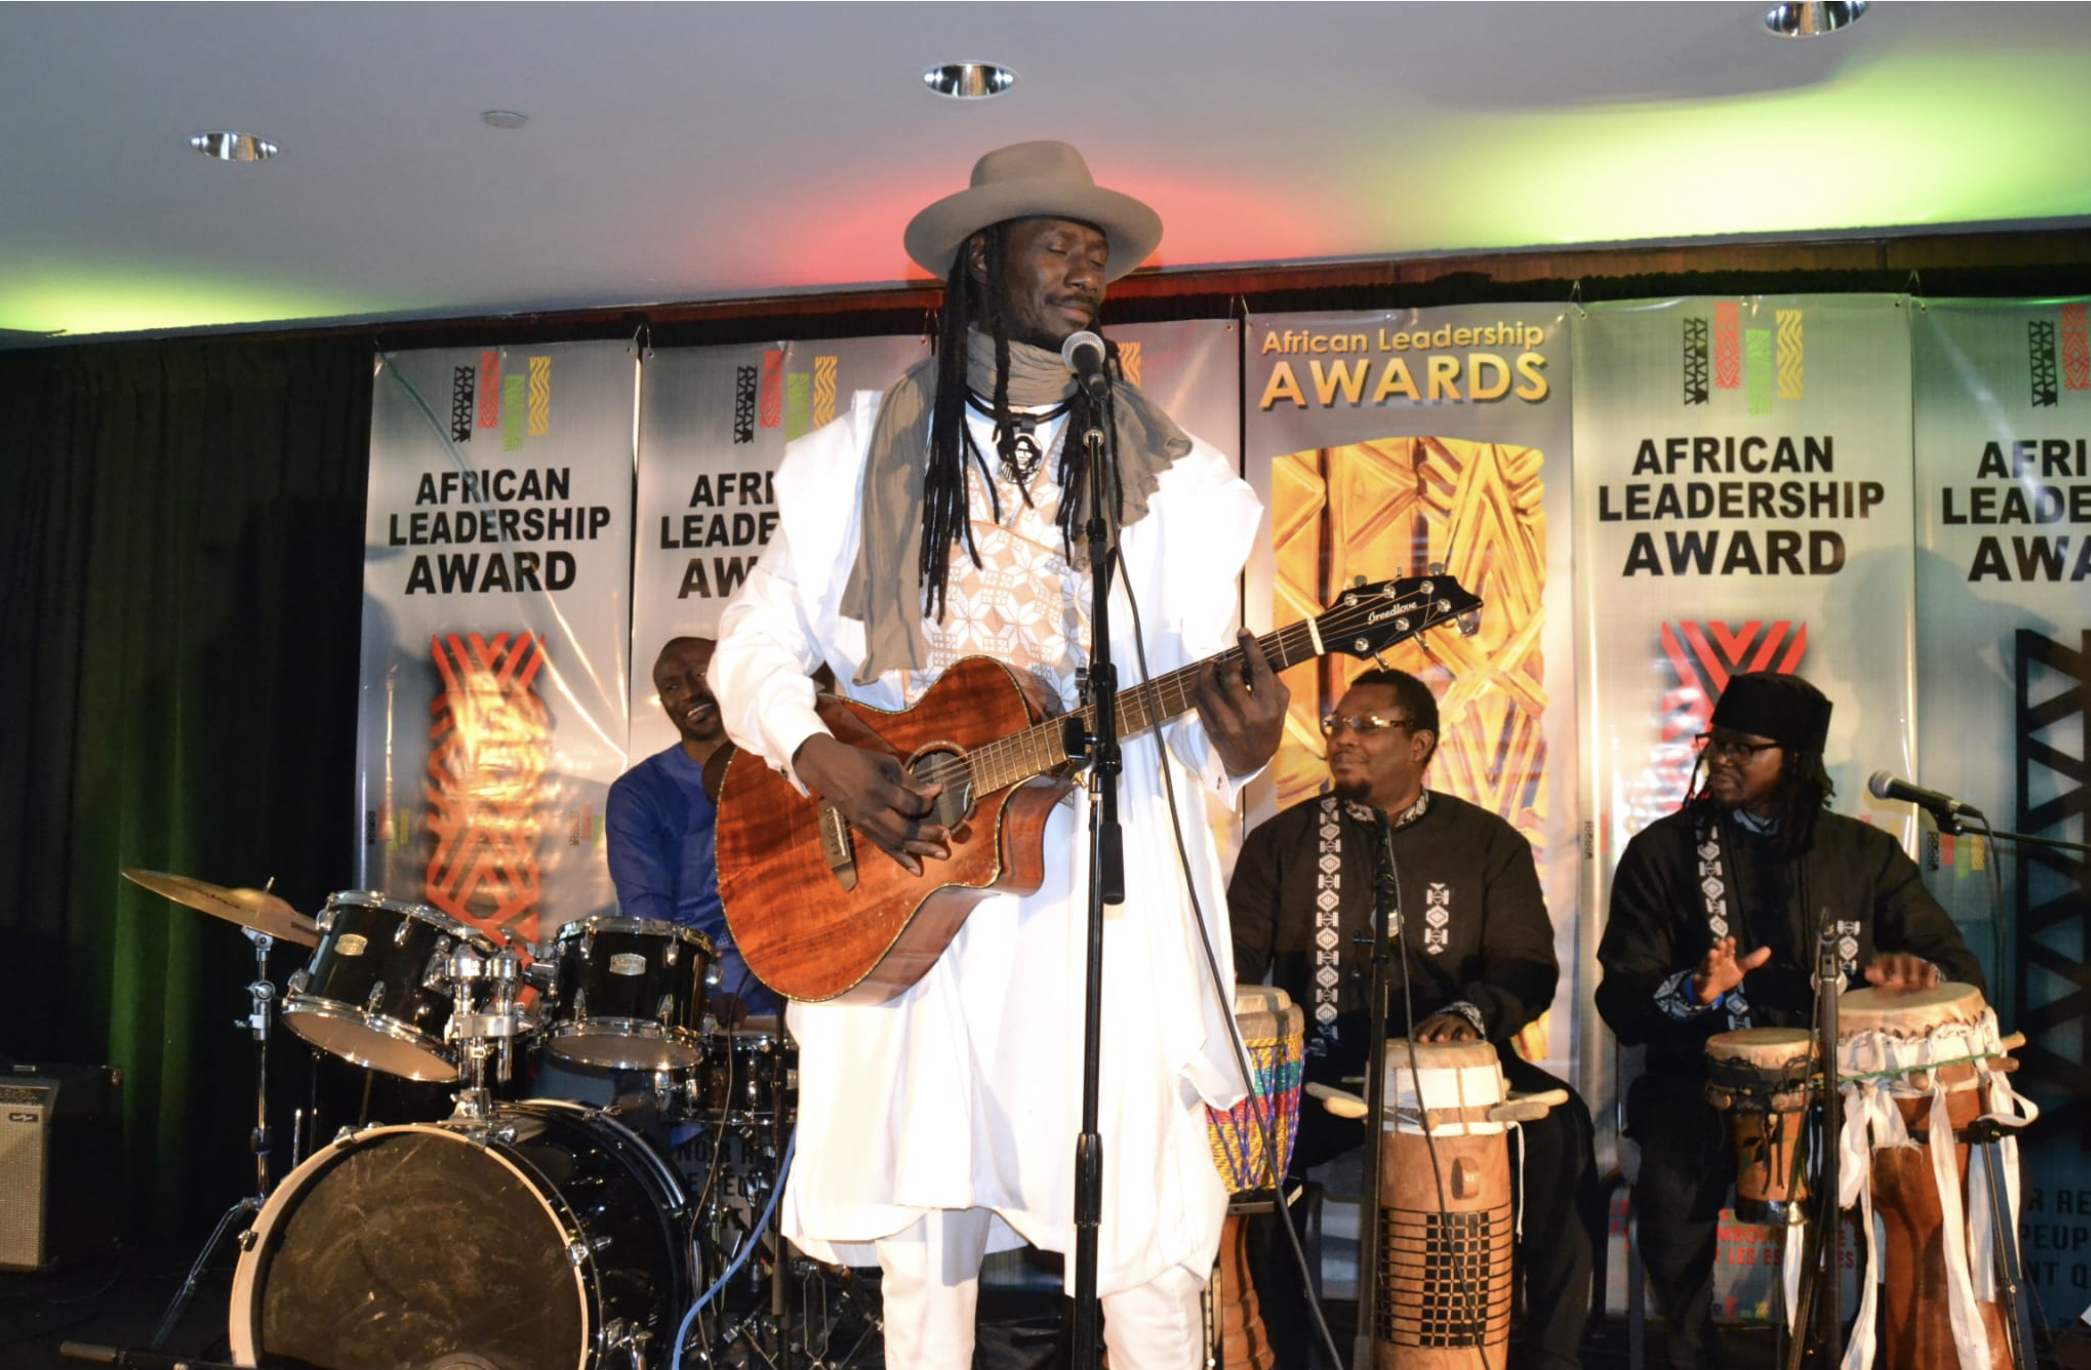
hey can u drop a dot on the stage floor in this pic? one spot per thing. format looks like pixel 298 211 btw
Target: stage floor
pixel 119 1301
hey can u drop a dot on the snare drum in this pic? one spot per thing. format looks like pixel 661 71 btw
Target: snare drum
pixel 1930 1052
pixel 377 989
pixel 629 994
pixel 1444 1273
pixel 550 1239
pixel 1762 1079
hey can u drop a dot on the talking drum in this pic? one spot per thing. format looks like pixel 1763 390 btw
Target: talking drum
pixel 550 1239
pixel 1762 1079
pixel 1924 1065
pixel 1274 1031
pixel 1444 1284
pixel 377 990
pixel 628 994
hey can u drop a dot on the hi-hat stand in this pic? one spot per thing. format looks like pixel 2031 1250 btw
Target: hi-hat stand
pixel 261 993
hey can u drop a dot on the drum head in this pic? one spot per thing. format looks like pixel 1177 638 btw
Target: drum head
pixel 414 1250
pixel 363 1040
pixel 1907 1013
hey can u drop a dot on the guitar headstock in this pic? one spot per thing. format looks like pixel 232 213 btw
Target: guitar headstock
pixel 1365 620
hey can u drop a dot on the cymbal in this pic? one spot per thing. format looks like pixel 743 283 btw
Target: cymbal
pixel 256 909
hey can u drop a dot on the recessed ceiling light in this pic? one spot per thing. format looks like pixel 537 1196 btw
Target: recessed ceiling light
pixel 227 146
pixel 1813 20
pixel 969 80
pixel 503 118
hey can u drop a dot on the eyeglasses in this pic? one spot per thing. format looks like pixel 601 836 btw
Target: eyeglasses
pixel 1364 725
pixel 1745 752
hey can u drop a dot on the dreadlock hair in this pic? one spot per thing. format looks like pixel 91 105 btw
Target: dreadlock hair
pixel 1804 791
pixel 946 522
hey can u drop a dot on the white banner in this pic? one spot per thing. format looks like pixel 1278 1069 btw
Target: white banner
pixel 712 428
pixel 2003 471
pixel 496 573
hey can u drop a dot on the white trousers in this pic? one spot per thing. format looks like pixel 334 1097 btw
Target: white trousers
pixel 932 1291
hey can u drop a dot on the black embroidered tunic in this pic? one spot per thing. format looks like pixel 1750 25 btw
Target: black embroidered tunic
pixel 1475 928
pixel 1663 907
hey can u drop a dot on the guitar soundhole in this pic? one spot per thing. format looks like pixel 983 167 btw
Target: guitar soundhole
pixel 955 804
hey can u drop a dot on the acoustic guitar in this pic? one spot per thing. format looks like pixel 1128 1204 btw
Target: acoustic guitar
pixel 820 916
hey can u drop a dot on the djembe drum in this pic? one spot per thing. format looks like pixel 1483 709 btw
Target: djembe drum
pixel 1274 1030
pixel 1444 1274
pixel 1761 1078
pixel 1924 1065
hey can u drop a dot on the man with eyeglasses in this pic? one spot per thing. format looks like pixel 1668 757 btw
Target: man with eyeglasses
pixel 1477 963
pixel 1716 913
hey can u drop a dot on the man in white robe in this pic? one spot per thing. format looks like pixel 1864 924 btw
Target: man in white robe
pixel 941 1124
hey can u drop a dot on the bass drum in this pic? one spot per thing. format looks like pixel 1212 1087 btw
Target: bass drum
pixel 552 1239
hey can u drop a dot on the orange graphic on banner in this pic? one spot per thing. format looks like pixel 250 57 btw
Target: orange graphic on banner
pixel 1727 345
pixel 773 387
pixel 489 389
pixel 1397 506
pixel 1129 361
pixel 489 746
pixel 1704 656
pixel 2076 349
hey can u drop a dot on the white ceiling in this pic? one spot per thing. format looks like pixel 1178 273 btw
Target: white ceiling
pixel 691 152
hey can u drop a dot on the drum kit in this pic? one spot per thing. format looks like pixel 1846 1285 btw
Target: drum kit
pixel 522 1234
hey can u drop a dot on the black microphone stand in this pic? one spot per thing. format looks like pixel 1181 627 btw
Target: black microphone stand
pixel 2022 1329
pixel 1099 745
pixel 1384 939
pixel 1819 1291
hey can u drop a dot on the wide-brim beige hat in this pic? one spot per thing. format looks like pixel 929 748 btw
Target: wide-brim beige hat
pixel 1032 181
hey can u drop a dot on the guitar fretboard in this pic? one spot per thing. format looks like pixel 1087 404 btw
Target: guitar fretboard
pixel 1042 748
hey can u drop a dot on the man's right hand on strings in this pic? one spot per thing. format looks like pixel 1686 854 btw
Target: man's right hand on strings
pixel 878 797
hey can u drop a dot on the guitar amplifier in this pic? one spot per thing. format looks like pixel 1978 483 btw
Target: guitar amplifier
pixel 60 1162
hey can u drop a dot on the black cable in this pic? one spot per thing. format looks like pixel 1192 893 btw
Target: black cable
pixel 1231 659
pixel 1408 1013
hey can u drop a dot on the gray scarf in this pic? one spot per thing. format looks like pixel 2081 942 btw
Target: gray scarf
pixel 879 592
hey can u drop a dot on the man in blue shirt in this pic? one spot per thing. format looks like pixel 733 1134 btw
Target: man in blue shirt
pixel 662 826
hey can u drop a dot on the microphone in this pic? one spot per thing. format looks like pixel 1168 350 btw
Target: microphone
pixel 1943 807
pixel 1084 354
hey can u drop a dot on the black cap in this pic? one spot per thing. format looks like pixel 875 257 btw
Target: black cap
pixel 1784 708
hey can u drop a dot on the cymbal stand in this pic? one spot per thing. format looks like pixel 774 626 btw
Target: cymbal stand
pixel 480 1035
pixel 261 992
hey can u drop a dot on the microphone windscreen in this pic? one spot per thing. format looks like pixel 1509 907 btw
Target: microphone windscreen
pixel 1881 784
pixel 1076 344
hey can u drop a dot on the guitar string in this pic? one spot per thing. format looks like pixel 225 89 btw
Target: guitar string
pixel 1020 751
pixel 1170 691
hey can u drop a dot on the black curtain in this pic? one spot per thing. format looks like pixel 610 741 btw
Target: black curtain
pixel 181 552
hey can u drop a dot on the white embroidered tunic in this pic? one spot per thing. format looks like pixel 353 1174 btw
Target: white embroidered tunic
pixel 965 1091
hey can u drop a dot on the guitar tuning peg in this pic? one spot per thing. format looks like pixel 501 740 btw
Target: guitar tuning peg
pixel 1381 662
pixel 1357 582
pixel 1436 568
